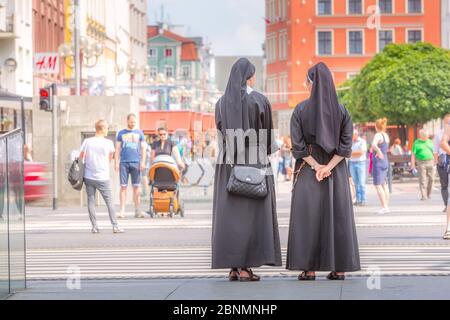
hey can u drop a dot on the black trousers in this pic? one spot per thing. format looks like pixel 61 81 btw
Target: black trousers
pixel 443 177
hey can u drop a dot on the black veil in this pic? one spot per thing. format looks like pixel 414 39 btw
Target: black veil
pixel 234 104
pixel 323 107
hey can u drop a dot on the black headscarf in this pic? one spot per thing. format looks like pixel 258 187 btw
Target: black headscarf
pixel 323 108
pixel 233 104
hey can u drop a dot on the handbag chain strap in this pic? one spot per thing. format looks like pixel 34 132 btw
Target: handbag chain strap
pixel 302 165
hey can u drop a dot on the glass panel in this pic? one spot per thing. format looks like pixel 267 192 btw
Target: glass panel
pixel 16 210
pixel 325 43
pixel 355 42
pixel 355 7
pixel 385 39
pixel 324 7
pixel 414 6
pixel 414 36
pixel 4 283
pixel 385 6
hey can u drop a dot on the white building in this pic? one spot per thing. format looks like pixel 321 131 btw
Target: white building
pixel 138 30
pixel 16 47
pixel 120 26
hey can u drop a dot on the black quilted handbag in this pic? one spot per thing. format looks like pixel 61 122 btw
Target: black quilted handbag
pixel 248 182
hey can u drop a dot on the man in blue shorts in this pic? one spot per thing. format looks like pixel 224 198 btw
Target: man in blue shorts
pixel 130 161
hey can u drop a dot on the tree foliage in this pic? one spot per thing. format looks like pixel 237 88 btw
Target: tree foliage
pixel 408 84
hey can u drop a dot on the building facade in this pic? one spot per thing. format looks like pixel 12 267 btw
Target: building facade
pixel 48 35
pixel 16 47
pixel 345 34
pixel 180 70
pixel 15 63
pixel 138 30
pixel 116 31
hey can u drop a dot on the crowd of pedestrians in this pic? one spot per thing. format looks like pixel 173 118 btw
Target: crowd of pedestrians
pixel 323 156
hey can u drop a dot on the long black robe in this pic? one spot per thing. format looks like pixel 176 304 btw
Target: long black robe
pixel 245 231
pixel 322 232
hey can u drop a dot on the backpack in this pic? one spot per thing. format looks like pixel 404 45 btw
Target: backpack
pixel 76 174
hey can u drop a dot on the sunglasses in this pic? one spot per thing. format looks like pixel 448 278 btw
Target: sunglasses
pixel 162 134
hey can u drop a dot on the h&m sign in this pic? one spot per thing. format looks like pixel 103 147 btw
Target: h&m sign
pixel 46 63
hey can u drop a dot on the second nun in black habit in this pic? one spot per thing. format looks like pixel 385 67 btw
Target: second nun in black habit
pixel 244 231
pixel 322 232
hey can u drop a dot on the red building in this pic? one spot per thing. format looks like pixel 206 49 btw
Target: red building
pixel 48 35
pixel 342 33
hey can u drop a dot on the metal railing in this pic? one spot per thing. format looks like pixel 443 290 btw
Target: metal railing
pixel 12 214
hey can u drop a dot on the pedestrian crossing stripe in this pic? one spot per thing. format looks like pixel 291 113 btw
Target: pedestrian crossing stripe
pixel 195 262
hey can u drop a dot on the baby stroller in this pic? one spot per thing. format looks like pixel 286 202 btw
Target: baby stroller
pixel 164 178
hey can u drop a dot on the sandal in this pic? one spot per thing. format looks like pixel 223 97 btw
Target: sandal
pixel 233 275
pixel 252 277
pixel 334 276
pixel 305 277
pixel 446 235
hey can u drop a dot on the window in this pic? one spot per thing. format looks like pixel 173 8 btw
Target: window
pixel 385 37
pixel 355 7
pixel 414 36
pixel 385 6
pixel 283 46
pixel 324 43
pixel 168 53
pixel 283 85
pixel 268 50
pixel 355 42
pixel 271 48
pixel 153 52
pixel 282 9
pixel 274 49
pixel 271 10
pixel 169 72
pixel 153 72
pixel 186 72
pixel 324 7
pixel 351 75
pixel 414 6
pixel 272 88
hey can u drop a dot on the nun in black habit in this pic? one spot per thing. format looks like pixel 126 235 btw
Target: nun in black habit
pixel 244 231
pixel 322 232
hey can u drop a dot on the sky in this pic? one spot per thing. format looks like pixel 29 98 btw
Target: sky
pixel 234 27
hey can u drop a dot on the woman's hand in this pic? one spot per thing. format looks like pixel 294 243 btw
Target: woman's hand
pixel 380 156
pixel 323 173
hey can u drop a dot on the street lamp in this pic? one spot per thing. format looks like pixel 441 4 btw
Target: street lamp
pixel 181 93
pixel 168 87
pixel 89 53
pixel 132 69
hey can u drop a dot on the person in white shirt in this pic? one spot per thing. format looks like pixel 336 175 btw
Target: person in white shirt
pixel 358 167
pixel 440 158
pixel 97 153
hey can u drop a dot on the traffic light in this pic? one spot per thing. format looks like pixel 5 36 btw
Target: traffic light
pixel 45 96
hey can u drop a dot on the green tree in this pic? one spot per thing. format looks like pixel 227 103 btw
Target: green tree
pixel 408 84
